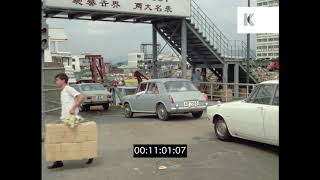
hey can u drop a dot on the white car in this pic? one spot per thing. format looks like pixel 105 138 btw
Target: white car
pixel 255 118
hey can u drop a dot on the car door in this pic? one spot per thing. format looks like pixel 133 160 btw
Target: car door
pixel 152 95
pixel 271 119
pixel 249 116
pixel 138 103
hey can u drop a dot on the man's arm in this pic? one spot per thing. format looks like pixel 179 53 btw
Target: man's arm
pixel 78 97
pixel 79 101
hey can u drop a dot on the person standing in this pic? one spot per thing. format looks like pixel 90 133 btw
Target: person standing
pixel 196 78
pixel 70 99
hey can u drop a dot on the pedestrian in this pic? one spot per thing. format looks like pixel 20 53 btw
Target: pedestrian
pixel 70 99
pixel 196 78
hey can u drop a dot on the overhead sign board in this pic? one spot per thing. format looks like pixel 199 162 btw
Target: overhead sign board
pixel 178 8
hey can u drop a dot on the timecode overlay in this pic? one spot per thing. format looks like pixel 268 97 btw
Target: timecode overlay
pixel 160 150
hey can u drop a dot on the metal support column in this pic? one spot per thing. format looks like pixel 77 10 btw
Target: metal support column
pixel 184 48
pixel 236 80
pixel 248 53
pixel 154 52
pixel 225 76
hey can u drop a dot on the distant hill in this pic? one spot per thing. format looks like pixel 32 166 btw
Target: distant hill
pixel 118 59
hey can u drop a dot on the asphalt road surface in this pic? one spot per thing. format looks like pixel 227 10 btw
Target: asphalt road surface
pixel 208 157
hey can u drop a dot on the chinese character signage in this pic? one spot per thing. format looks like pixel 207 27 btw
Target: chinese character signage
pixel 179 8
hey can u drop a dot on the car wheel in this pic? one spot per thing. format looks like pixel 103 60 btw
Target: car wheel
pixel 221 130
pixel 127 111
pixel 197 114
pixel 162 112
pixel 106 106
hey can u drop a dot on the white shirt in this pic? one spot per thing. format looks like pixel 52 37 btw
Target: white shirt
pixel 68 95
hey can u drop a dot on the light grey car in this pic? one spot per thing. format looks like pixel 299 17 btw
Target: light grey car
pixel 164 97
pixel 95 94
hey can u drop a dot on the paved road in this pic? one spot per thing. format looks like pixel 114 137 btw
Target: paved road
pixel 208 158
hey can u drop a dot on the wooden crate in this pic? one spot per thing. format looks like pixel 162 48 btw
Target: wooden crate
pixel 64 143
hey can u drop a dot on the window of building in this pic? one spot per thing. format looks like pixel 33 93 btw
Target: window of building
pixel 270 54
pixel 270 39
pixel 261 47
pixel 265 3
pixel 262 40
pixel 259 4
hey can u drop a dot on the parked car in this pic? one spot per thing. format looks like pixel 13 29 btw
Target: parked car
pixel 95 94
pixel 255 118
pixel 124 91
pixel 164 97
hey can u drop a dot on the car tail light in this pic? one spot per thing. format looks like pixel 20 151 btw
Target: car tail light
pixel 171 99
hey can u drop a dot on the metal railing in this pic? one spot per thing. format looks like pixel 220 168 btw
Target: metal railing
pixel 52 100
pixel 226 91
pixel 232 49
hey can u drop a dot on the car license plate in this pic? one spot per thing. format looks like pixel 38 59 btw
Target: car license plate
pixel 191 103
pixel 100 97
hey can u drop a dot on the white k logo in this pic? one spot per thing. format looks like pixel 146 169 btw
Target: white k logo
pixel 247 19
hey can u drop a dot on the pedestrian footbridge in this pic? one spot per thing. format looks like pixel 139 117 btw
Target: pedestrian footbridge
pixel 196 38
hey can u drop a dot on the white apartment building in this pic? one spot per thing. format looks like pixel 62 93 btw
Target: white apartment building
pixel 53 54
pixel 77 62
pixel 267 45
pixel 135 60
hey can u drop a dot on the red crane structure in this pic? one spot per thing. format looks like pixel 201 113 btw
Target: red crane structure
pixel 139 76
pixel 97 68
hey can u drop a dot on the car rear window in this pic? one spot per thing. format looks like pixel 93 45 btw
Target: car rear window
pixel 179 86
pixel 92 87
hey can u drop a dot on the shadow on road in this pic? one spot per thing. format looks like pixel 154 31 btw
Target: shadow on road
pixel 260 146
pixel 257 145
pixel 78 164
pixel 171 118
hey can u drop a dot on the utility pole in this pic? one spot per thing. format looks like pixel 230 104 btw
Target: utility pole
pixel 248 51
pixel 184 48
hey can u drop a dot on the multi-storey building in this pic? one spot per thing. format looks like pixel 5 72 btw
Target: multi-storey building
pixel 136 60
pixel 267 43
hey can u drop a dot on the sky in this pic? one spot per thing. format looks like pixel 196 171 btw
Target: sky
pixel 115 40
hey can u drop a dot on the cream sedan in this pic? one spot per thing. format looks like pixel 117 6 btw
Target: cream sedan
pixel 255 118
